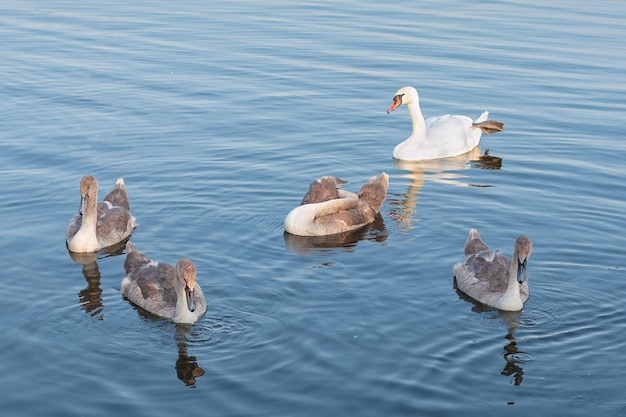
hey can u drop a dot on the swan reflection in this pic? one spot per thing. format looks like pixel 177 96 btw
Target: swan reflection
pixel 375 232
pixel 442 171
pixel 513 357
pixel 186 366
pixel 486 161
pixel 90 298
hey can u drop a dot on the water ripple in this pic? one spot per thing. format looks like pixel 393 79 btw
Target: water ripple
pixel 219 115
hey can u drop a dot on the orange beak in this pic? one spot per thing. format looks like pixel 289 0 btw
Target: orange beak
pixel 397 101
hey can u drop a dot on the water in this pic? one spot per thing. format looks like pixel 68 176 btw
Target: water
pixel 218 115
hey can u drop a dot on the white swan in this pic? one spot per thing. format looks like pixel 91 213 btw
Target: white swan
pixel 163 290
pixel 491 277
pixel 326 209
pixel 441 136
pixel 99 225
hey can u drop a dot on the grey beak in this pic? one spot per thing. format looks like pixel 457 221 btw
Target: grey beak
pixel 191 304
pixel 521 271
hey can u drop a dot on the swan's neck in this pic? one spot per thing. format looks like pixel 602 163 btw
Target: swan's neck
pixel 86 239
pixel 417 121
pixel 512 299
pixel 182 315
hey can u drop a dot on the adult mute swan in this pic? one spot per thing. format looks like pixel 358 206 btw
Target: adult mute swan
pixel 163 290
pixel 99 225
pixel 492 278
pixel 326 209
pixel 441 136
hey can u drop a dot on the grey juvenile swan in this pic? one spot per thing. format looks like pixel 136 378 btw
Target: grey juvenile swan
pixel 492 278
pixel 99 225
pixel 163 290
pixel 326 209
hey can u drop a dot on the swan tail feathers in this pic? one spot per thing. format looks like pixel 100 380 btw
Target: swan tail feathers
pixel 117 196
pixel 490 126
pixel 374 191
pixel 120 183
pixel 474 244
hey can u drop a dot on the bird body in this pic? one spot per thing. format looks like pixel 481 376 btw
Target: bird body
pixel 99 225
pixel 326 209
pixel 167 291
pixel 441 136
pixel 492 278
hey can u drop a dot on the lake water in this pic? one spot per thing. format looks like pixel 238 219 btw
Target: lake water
pixel 219 114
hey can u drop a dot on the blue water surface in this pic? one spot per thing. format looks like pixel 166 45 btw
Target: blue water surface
pixel 218 115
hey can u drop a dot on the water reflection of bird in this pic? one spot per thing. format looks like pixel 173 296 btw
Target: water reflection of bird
pixel 375 232
pixel 442 171
pixel 187 368
pixel 90 298
pixel 441 136
pixel 513 357
pixel 487 161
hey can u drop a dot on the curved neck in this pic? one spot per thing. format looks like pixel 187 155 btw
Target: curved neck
pixel 90 212
pixel 86 238
pixel 182 315
pixel 418 123
pixel 512 299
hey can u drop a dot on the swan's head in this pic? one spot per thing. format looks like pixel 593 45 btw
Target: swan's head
pixel 405 95
pixel 323 189
pixel 88 189
pixel 186 277
pixel 523 249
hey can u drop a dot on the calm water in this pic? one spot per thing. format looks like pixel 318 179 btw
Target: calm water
pixel 219 114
